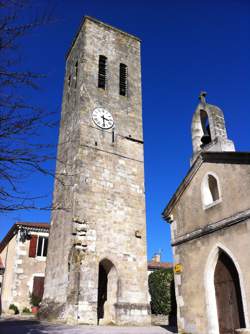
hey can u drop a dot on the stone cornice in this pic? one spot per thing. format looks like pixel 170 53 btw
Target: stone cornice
pixel 213 227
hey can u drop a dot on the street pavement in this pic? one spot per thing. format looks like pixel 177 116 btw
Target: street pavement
pixel 14 326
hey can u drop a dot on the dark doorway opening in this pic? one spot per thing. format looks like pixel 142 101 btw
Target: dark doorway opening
pixel 107 293
pixel 102 291
pixel 228 295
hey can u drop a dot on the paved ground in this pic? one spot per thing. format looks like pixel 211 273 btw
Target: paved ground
pixel 13 326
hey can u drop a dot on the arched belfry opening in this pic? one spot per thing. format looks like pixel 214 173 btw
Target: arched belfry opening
pixel 228 295
pixel 208 129
pixel 206 137
pixel 107 292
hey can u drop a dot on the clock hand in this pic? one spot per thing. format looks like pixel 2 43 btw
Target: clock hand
pixel 103 120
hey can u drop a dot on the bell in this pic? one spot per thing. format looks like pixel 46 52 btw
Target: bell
pixel 206 139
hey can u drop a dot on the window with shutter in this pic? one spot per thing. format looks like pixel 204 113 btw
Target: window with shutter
pixel 42 246
pixel 123 79
pixel 102 72
pixel 33 243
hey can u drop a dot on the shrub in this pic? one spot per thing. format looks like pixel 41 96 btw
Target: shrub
pixel 35 300
pixel 26 310
pixel 161 289
pixel 14 308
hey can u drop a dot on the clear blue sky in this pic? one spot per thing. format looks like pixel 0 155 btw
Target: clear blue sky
pixel 187 46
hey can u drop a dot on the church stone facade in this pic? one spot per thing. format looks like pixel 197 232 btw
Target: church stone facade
pixel 96 266
pixel 210 230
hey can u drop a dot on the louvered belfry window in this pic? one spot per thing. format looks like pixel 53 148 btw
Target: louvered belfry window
pixel 123 79
pixel 102 72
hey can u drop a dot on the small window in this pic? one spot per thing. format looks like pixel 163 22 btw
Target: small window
pixel 210 190
pixel 123 79
pixel 102 72
pixel 42 246
pixel 213 187
pixel 69 80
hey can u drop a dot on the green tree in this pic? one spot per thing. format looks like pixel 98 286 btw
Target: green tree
pixel 161 289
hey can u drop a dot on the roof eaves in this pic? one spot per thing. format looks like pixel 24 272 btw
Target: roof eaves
pixel 211 157
pixel 185 182
pixel 8 237
pixel 30 226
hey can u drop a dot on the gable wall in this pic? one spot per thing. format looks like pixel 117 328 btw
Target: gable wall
pixel 235 191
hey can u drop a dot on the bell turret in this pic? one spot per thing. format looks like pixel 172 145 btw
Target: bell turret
pixel 208 129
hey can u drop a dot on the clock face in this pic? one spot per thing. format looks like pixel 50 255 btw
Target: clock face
pixel 102 118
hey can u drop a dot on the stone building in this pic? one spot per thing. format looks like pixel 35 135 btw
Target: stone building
pixel 97 268
pixel 157 264
pixel 210 230
pixel 2 269
pixel 23 252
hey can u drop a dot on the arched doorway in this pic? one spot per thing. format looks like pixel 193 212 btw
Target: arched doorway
pixel 228 295
pixel 107 292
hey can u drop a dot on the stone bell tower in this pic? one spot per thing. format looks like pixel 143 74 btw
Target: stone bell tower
pixel 208 129
pixel 97 266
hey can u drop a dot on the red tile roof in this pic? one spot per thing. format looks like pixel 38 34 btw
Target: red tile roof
pixel 152 265
pixel 31 226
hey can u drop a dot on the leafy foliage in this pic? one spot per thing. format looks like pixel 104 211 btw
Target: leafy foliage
pixel 161 289
pixel 14 308
pixel 26 310
pixel 35 300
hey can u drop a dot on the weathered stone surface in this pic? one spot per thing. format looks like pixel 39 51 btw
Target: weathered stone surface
pixel 217 130
pixel 103 197
pixel 201 232
pixel 17 284
pixel 243 331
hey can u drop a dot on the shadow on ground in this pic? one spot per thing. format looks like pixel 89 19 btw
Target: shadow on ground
pixel 23 326
pixel 170 329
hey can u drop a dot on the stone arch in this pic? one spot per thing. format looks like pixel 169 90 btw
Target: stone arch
pixel 205 125
pixel 107 291
pixel 210 189
pixel 202 124
pixel 210 296
pixel 208 128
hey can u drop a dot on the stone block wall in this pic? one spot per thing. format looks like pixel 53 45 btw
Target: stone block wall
pixel 20 270
pixel 101 204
